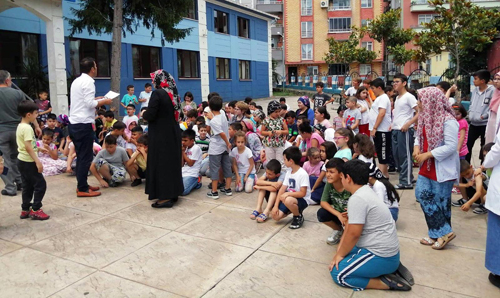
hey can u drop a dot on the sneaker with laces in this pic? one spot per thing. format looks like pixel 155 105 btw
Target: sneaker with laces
pixel 480 210
pixel 335 237
pixel 213 195
pixel 136 182
pixel 458 203
pixel 297 222
pixel 39 215
pixel 227 191
pixel 25 214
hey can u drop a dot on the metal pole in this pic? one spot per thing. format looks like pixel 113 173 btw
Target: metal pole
pixel 283 79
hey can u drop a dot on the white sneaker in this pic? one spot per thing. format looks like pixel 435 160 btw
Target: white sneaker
pixel 335 237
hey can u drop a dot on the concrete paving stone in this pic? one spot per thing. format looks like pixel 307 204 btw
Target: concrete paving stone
pixel 417 291
pixel 6 247
pixel 269 275
pixel 232 225
pixel 245 201
pixel 183 212
pixel 100 243
pixel 181 264
pixel 30 273
pixel 308 242
pixel 102 284
pixel 27 231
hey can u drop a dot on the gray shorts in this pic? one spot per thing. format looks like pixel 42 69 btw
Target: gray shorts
pixel 216 161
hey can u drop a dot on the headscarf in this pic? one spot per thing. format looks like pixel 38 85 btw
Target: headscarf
pixel 166 81
pixel 273 106
pixel 128 132
pixel 495 100
pixel 249 125
pixel 436 110
pixel 305 101
pixel 260 114
pixel 320 127
pixel 63 119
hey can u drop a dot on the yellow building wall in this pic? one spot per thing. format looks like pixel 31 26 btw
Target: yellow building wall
pixel 439 63
pixel 292 31
pixel 320 31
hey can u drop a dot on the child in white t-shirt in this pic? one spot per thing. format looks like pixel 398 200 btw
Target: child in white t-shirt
pixel 384 190
pixel 295 194
pixel 191 160
pixel 243 164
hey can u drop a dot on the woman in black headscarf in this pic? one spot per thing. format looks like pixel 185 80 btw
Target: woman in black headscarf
pixel 164 165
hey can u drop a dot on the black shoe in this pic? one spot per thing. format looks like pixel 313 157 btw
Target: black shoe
pixel 19 186
pixel 227 191
pixel 402 186
pixel 404 273
pixel 219 185
pixel 5 193
pixel 213 195
pixel 136 182
pixel 392 170
pixel 494 279
pixel 395 283
pixel 168 204
pixel 297 222
pixel 112 184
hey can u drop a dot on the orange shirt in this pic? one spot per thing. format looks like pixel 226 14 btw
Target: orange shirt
pixel 372 95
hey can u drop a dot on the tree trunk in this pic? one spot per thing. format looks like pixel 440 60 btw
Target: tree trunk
pixel 116 54
pixel 457 73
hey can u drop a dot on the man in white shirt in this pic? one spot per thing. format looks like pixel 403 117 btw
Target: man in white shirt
pixel 380 123
pixel 145 95
pixel 405 115
pixel 82 116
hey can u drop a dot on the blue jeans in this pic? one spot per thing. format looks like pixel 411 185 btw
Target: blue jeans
pixel 394 213
pixel 190 183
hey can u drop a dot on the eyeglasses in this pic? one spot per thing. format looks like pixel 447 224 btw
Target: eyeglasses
pixel 338 138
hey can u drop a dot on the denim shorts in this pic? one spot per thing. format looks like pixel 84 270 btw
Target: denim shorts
pixel 300 202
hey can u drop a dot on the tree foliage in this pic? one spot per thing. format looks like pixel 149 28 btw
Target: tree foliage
pixel 349 51
pixel 97 16
pixel 461 29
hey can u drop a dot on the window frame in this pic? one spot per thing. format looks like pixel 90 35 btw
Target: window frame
pixel 144 75
pixel 331 22
pixel 226 65
pixel 306 7
pixel 367 22
pixel 365 66
pixel 216 21
pixel 95 56
pixel 368 3
pixel 22 54
pixel 331 5
pixel 194 12
pixel 367 45
pixel 302 52
pixel 248 70
pixel 181 68
pixel 425 15
pixel 247 21
pixel 308 30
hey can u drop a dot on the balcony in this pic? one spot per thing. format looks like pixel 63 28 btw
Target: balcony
pixel 271 6
pixel 278 54
pixel 487 3
pixel 423 5
pixel 277 30
pixel 338 7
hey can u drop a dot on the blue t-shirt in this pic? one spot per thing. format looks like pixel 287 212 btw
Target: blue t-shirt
pixel 127 99
pixel 344 153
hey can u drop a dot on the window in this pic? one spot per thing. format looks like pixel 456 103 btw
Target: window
pixel 306 29
pixel 366 3
pixel 306 7
pixel 243 27
pixel 367 45
pixel 221 22
pixel 338 69
pixel 340 25
pixel 244 70
pixel 340 5
pixel 193 10
pixel 222 68
pixel 307 52
pixel 428 65
pixel 188 62
pixel 365 23
pixel 15 49
pixel 99 50
pixel 145 60
pixel 451 64
pixel 364 69
pixel 424 18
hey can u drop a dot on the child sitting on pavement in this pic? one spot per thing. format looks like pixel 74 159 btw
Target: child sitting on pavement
pixel 203 141
pixel 131 146
pixel 191 160
pixel 472 189
pixel 47 153
pixel 333 211
pixel 268 186
pixel 295 193
pixel 109 166
pixel 118 131
pixel 137 163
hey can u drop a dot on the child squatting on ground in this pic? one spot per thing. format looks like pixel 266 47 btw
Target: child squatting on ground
pixel 268 186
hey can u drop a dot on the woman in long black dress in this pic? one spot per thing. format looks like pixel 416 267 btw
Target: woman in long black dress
pixel 164 165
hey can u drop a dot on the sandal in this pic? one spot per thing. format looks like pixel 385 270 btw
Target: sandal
pixel 395 283
pixel 261 218
pixel 254 214
pixel 427 241
pixel 446 239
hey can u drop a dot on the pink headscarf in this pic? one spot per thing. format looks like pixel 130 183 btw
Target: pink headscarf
pixel 436 110
pixel 128 132
pixel 495 100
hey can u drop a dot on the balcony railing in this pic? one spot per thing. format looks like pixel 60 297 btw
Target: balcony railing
pixel 418 2
pixel 339 7
pixel 269 2
pixel 342 30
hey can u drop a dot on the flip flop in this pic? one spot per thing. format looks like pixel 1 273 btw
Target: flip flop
pixel 395 283
pixel 446 240
pixel 254 214
pixel 427 241
pixel 404 273
pixel 261 218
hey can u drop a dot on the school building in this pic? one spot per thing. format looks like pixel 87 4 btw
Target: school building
pixel 228 50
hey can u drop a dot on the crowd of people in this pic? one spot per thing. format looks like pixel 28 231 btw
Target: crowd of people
pixel 306 158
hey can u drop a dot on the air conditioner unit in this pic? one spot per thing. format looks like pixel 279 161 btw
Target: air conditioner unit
pixel 324 4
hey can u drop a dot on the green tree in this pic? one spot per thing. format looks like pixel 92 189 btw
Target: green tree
pixel 387 30
pixel 349 51
pixel 120 17
pixel 462 29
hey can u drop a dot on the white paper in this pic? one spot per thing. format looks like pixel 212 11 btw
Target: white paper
pixel 111 95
